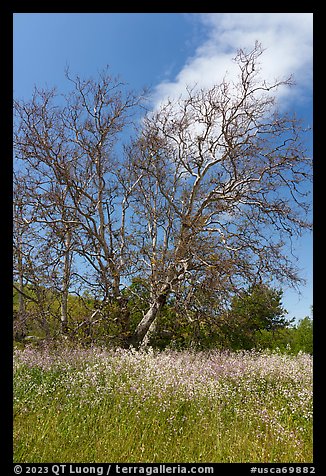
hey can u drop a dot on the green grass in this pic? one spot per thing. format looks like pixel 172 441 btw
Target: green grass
pixel 100 410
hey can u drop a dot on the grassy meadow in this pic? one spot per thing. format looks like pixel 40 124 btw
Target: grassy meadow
pixel 97 405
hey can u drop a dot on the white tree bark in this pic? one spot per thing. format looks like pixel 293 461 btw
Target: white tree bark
pixel 147 325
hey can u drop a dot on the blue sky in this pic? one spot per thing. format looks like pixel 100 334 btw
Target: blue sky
pixel 166 52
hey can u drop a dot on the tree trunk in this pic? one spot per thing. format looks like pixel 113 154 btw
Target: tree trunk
pixel 21 317
pixel 147 326
pixel 124 321
pixel 150 332
pixel 65 283
pixel 21 299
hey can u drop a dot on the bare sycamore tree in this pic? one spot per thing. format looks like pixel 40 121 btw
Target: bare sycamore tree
pixel 35 262
pixel 222 191
pixel 40 147
pixel 203 202
pixel 67 146
pixel 96 113
pixel 19 232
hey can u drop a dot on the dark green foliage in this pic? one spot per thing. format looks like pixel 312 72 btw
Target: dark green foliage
pixel 255 310
pixel 256 319
pixel 302 336
pixel 291 340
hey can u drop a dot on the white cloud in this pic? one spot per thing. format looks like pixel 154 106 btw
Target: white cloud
pixel 286 38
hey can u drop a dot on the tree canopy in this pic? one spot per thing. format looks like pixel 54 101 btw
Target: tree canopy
pixel 199 203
